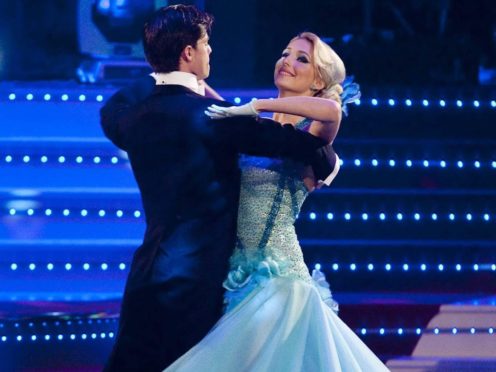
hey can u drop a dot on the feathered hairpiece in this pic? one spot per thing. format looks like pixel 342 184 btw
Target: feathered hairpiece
pixel 351 93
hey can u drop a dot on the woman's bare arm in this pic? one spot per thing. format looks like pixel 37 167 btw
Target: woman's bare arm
pixel 316 108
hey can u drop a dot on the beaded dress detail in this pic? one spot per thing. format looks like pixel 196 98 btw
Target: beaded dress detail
pixel 272 193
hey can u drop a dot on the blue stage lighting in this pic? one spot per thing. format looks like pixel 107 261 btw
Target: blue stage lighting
pixel 425 102
pixel 436 331
pixel 458 267
pixel 318 266
pixel 374 102
pixel 442 163
pixel 66 212
pixel 370 267
pixel 48 212
pixel 137 214
pixel 26 159
pixel 423 267
pixel 476 103
pixel 400 331
pixel 12 211
pixel 358 102
pixel 375 163
pixel 68 266
pixel 330 216
pixel 382 331
pixel 382 216
pixel 490 331
pixel 119 213
pixel 472 330
pixel 97 159
pixel 451 217
pixel 409 163
pixel 365 216
pixel 476 267
pixel 440 267
pixel 99 98
pixel 408 102
pixel 29 97
pixel 442 103
pixel 13 267
pixel 477 164
pixel 416 216
pixel 347 216
pixel 47 97
pixel 43 159
pixel 61 159
pixel 101 213
pixel 406 267
pixel 493 103
pixel 335 267
pixel 392 162
pixel 114 160
pixel 469 217
pixel 64 97
pixel 8 159
pixel 237 100
pixel 459 163
pixel 454 331
pixel 86 266
pixel 357 162
pixel 391 102
pixel 353 267
pixel 72 336
pixel 399 216
pixel 104 266
pixel 313 216
pixel 30 212
pixel 82 97
pixel 122 266
pixel 50 266
pixel 363 331
pixel 418 331
pixel 12 96
pixel 84 212
pixel 425 163
pixel 493 164
pixel 459 103
pixel 388 267
pixel 79 159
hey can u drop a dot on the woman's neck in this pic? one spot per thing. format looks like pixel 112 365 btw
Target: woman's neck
pixel 288 118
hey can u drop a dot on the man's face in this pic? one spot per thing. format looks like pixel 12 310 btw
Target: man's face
pixel 201 58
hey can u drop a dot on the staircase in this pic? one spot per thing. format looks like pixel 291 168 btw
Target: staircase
pixel 409 224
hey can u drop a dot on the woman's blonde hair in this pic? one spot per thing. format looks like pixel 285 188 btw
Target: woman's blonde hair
pixel 328 65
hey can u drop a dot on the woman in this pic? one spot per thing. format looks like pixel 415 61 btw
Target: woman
pixel 278 317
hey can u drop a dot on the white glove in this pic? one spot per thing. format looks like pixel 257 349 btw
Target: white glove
pixel 219 112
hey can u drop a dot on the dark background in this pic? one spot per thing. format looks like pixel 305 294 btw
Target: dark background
pixel 401 42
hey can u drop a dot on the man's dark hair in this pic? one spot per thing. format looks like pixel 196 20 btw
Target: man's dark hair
pixel 169 31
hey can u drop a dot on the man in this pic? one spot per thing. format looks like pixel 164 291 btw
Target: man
pixel 186 168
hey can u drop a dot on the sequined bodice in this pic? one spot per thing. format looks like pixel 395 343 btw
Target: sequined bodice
pixel 272 193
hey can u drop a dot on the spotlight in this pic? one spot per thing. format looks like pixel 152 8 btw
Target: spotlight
pixel 110 33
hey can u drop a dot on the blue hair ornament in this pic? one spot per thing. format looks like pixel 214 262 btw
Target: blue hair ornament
pixel 351 93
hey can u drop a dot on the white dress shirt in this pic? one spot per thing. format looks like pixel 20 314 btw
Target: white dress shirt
pixel 185 79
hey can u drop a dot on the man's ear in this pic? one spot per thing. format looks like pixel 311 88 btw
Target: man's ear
pixel 187 53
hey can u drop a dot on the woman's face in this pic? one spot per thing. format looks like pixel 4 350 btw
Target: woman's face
pixel 295 72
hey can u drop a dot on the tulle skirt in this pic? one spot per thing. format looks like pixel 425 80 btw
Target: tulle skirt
pixel 282 326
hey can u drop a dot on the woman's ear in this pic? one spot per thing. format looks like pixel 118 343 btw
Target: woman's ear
pixel 317 85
